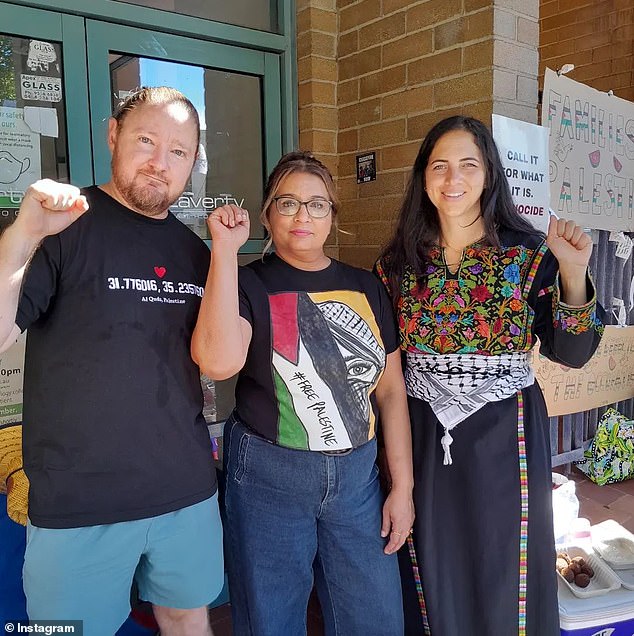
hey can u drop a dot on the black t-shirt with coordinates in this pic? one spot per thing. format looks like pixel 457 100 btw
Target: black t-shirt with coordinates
pixel 113 427
pixel 318 349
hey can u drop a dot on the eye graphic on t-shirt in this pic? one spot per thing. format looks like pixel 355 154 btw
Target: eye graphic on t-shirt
pixel 327 359
pixel 160 271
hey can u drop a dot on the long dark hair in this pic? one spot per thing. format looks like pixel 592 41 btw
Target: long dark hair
pixel 418 227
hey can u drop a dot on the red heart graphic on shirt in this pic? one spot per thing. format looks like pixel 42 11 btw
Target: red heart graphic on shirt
pixel 160 271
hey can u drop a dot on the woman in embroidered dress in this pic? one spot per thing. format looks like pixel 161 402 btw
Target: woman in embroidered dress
pixel 474 285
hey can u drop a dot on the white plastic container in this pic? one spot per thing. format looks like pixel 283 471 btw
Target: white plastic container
pixel 626 577
pixel 614 544
pixel 603 581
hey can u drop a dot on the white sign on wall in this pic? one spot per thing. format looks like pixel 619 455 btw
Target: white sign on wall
pixel 591 154
pixel 523 150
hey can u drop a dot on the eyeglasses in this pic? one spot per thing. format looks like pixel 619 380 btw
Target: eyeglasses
pixel 289 206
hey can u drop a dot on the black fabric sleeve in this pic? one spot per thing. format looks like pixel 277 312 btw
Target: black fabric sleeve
pixel 246 280
pixel 386 319
pixel 568 335
pixel 40 284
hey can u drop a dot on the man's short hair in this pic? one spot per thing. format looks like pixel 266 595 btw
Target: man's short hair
pixel 156 96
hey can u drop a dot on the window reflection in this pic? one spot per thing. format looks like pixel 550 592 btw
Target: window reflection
pixel 229 168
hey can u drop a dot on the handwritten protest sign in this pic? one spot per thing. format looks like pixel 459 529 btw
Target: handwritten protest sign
pixel 607 378
pixel 524 152
pixel 591 154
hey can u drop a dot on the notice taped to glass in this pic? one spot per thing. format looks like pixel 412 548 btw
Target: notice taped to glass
pixel 11 381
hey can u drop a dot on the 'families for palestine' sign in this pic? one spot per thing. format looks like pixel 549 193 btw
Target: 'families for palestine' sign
pixel 591 154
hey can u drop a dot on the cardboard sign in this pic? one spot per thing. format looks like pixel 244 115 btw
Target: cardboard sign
pixel 524 153
pixel 591 154
pixel 607 378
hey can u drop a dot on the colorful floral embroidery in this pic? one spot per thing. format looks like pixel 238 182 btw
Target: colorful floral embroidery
pixel 479 310
pixel 482 308
pixel 575 320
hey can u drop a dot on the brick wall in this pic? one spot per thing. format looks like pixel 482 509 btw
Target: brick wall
pixel 377 74
pixel 402 66
pixel 317 78
pixel 317 75
pixel 594 35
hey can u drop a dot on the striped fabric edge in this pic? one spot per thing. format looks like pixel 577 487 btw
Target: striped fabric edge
pixel 419 585
pixel 523 543
pixel 537 259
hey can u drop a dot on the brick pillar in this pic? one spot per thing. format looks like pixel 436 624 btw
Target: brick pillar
pixel 317 78
pixel 317 84
pixel 405 64
pixel 516 59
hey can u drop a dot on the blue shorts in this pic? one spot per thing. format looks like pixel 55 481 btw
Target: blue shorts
pixel 86 573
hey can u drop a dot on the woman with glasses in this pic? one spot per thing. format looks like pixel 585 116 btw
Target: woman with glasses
pixel 316 349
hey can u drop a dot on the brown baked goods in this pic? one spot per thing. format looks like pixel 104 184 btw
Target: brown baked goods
pixel 575 567
pixel 582 580
pixel 587 569
pixel 561 563
pixel 575 570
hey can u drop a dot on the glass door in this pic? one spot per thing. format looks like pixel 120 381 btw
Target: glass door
pixel 43 133
pixel 37 74
pixel 236 92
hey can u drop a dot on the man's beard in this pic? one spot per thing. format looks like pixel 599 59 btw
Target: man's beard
pixel 145 199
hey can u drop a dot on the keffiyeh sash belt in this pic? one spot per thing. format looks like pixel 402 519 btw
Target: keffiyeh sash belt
pixel 458 385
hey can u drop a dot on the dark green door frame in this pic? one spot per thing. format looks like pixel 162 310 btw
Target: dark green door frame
pixel 69 31
pixel 141 42
pixel 154 33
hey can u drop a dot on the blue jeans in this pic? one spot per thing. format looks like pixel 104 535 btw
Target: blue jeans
pixel 295 517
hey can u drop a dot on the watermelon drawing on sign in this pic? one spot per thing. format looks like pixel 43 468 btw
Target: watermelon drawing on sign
pixel 595 158
pixel 618 166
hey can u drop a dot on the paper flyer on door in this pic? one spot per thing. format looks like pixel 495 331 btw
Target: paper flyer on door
pixel 11 381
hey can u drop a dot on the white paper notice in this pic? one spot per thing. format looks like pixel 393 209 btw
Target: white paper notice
pixel 20 163
pixel 40 88
pixel 42 120
pixel 624 248
pixel 41 55
pixel 524 152
pixel 11 375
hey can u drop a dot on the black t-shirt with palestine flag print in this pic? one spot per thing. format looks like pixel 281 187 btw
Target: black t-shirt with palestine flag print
pixel 320 339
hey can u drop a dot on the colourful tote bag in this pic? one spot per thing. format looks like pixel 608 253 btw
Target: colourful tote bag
pixel 610 457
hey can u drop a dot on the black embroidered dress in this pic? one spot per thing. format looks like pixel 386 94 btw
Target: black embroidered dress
pixel 483 532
